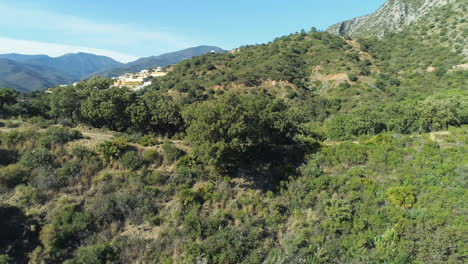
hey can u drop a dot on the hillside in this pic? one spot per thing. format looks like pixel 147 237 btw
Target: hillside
pixel 445 26
pixel 312 148
pixel 393 16
pixel 42 72
pixel 28 77
pixel 356 72
pixel 162 60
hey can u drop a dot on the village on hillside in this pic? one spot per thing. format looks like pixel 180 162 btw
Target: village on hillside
pixel 138 80
pixel 134 81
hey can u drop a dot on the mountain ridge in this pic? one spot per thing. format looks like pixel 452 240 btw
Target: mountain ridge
pixel 393 16
pixel 38 72
pixel 160 60
pixel 28 77
pixel 76 65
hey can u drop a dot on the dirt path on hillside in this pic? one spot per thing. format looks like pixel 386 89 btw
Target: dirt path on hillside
pixel 92 138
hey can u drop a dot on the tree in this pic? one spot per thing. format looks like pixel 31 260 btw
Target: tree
pixel 155 113
pixel 107 108
pixel 7 96
pixel 223 131
pixel 443 110
pixel 95 83
pixel 65 103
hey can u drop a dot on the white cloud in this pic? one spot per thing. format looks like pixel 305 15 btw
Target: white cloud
pixel 67 33
pixel 8 45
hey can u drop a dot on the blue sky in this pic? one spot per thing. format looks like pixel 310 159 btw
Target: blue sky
pixel 126 30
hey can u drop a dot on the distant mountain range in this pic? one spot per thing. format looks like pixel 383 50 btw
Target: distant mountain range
pixel 39 72
pixel 162 60
pixel 28 77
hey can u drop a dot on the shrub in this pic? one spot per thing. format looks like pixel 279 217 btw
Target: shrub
pixel 157 177
pixel 148 141
pixel 11 124
pixel 340 215
pixel 28 195
pixel 343 127
pixel 5 259
pixel 104 208
pixel 111 150
pixel 131 160
pixel 95 254
pixel 152 156
pixel 58 135
pixel 36 158
pixel 70 169
pixel 171 152
pixel 69 225
pixel 81 152
pixel 12 175
pixel 16 137
pixel 40 121
pixel 402 196
pixel 120 142
pixel 45 178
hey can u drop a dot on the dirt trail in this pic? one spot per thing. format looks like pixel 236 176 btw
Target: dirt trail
pixel 92 138
pixel 433 135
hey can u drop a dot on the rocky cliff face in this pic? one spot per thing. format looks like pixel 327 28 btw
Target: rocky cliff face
pixel 391 17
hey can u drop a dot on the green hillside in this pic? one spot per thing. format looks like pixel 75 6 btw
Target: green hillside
pixel 313 148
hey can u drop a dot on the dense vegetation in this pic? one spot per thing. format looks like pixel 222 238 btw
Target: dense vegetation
pixel 310 149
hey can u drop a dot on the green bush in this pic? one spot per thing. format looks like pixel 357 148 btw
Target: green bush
pixel 69 225
pixel 5 259
pixel 12 175
pixel 171 152
pixel 402 196
pixel 28 195
pixel 40 121
pixel 95 254
pixel 112 150
pixel 45 178
pixel 69 170
pixel 152 156
pixel 81 152
pixel 58 135
pixel 148 141
pixel 16 137
pixel 131 160
pixel 36 158
pixel 156 178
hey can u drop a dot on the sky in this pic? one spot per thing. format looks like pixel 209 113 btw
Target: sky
pixel 127 30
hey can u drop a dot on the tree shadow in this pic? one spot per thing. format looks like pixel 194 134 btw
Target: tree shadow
pixel 19 234
pixel 265 168
pixel 8 157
